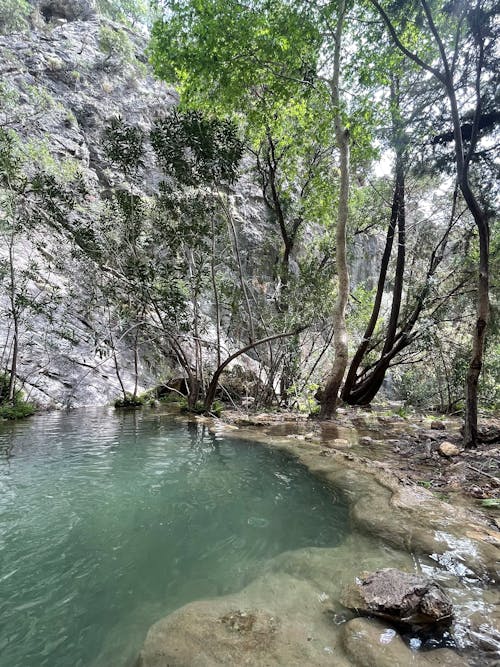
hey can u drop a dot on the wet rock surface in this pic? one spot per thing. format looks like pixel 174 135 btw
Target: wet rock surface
pixel 257 627
pixel 370 643
pixel 400 597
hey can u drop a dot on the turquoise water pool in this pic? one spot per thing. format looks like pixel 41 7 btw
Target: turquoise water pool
pixel 109 520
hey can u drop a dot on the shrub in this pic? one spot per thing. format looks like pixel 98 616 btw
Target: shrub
pixel 13 15
pixel 130 401
pixel 305 400
pixel 199 408
pixel 18 408
pixel 116 46
pixel 17 411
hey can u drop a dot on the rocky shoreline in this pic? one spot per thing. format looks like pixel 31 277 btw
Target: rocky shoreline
pixel 423 450
pixel 292 613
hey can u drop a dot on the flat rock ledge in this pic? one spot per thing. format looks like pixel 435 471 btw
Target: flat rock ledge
pixel 399 597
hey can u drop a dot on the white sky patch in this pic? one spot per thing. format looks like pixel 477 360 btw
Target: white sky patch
pixel 384 166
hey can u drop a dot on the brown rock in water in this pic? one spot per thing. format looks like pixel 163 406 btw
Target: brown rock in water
pixel 399 597
pixel 448 449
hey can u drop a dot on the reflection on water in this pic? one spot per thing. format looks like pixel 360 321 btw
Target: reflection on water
pixel 109 521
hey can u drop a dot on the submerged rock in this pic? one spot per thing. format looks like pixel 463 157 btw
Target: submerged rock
pixel 400 597
pixel 369 643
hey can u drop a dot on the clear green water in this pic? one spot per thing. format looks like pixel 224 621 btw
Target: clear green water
pixel 109 521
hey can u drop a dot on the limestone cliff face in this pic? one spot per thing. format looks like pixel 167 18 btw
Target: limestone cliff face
pixel 62 80
pixel 59 88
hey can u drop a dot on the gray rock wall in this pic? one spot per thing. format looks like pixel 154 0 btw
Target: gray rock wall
pixel 58 91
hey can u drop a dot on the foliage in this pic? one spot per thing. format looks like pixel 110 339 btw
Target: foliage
pixel 116 46
pixel 124 146
pixel 491 502
pixel 130 401
pixel 304 398
pixel 163 245
pixel 199 407
pixel 229 52
pixel 13 15
pixel 125 11
pixel 196 149
pixel 17 408
pixel 34 196
pixel 18 411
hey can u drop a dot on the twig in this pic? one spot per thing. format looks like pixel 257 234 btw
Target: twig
pixel 486 474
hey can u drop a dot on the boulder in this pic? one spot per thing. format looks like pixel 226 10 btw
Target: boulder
pixel 177 386
pixel 489 431
pixel 438 426
pixel 407 599
pixel 448 449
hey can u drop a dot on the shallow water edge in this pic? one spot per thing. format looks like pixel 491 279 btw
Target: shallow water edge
pixel 293 606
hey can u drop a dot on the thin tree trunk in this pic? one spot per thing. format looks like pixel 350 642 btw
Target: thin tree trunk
pixel 370 328
pixel 226 206
pixel 397 292
pixel 212 387
pixel 478 335
pixel 115 357
pixel 216 297
pixel 136 364
pixel 340 341
pixel 15 320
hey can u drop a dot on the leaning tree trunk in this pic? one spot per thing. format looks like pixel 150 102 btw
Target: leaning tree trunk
pixel 462 159
pixel 214 382
pixel 482 300
pixel 397 220
pixel 331 391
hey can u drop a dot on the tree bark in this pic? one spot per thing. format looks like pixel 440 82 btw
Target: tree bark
pixel 480 326
pixel 397 201
pixel 481 220
pixel 15 319
pixel 340 340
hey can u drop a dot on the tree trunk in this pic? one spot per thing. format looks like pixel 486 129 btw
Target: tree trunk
pixel 480 327
pixel 214 382
pixel 331 391
pixel 482 301
pixel 15 318
pixel 351 378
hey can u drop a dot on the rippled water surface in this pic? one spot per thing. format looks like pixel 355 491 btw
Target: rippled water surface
pixel 109 521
